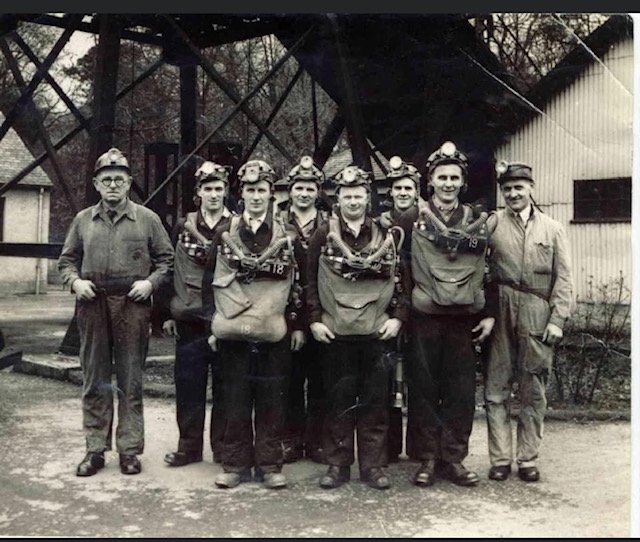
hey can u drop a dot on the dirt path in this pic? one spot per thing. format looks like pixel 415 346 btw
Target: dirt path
pixel 584 491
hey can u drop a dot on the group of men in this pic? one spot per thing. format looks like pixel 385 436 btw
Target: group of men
pixel 307 317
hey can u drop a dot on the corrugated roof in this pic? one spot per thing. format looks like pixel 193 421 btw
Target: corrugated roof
pixel 614 30
pixel 342 159
pixel 14 156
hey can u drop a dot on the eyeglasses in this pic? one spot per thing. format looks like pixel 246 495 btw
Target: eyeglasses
pixel 106 181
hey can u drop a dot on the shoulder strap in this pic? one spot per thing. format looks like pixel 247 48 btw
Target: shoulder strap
pixel 376 235
pixel 234 225
pixel 334 226
pixel 466 214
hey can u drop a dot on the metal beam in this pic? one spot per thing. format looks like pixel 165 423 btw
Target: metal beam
pixel 329 139
pixel 104 96
pixel 17 108
pixel 93 27
pixel 73 133
pixel 229 90
pixel 31 250
pixel 351 105
pixel 188 136
pixel 48 77
pixel 376 159
pixel 229 116
pixel 42 132
pixel 353 111
pixel 314 114
pixel 273 113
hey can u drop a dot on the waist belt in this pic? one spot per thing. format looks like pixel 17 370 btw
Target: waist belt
pixel 522 288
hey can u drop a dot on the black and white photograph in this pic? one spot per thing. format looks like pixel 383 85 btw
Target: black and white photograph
pixel 317 275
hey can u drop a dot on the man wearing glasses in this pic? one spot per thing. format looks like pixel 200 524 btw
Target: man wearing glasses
pixel 116 254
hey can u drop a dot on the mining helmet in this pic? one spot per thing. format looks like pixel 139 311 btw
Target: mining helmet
pixel 113 158
pixel 352 176
pixel 446 154
pixel 399 169
pixel 306 170
pixel 511 171
pixel 256 170
pixel 210 171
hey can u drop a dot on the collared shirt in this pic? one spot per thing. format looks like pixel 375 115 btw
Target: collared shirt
pixel 113 255
pixel 307 228
pixel 254 223
pixel 445 213
pixel 522 216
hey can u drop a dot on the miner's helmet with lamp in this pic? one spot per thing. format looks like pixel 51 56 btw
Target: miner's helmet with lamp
pixel 254 171
pixel 305 170
pixel 210 171
pixel 399 169
pixel 511 171
pixel 352 176
pixel 113 158
pixel 447 153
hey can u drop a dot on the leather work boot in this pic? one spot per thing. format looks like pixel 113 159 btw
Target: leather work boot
pixel 129 464
pixel 459 475
pixel 180 459
pixel 227 480
pixel 335 477
pixel 499 472
pixel 271 480
pixel 529 474
pixel 91 464
pixel 425 475
pixel 376 478
pixel 291 454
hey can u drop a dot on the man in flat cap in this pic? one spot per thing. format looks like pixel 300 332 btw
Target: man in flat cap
pixel 529 265
pixel 116 254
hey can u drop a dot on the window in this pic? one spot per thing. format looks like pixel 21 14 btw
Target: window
pixel 602 200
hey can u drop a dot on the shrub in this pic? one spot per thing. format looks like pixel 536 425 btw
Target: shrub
pixel 594 356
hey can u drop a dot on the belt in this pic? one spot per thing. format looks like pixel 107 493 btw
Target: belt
pixel 522 288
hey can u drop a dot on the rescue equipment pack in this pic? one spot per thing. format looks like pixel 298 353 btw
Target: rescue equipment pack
pixel 355 289
pixel 251 291
pixel 189 260
pixel 448 264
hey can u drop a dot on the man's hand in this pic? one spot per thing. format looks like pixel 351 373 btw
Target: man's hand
pixel 552 334
pixel 84 289
pixel 169 327
pixel 140 290
pixel 321 333
pixel 390 329
pixel 297 340
pixel 213 343
pixel 485 327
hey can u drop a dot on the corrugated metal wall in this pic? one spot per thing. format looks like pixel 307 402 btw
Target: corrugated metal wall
pixel 586 133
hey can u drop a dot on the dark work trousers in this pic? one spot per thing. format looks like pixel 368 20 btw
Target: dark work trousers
pixel 194 357
pixel 356 379
pixel 305 415
pixel 442 385
pixel 410 447
pixel 254 376
pixel 113 331
pixel 394 447
pixel 394 440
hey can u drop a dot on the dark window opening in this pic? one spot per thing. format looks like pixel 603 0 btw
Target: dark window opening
pixel 602 200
